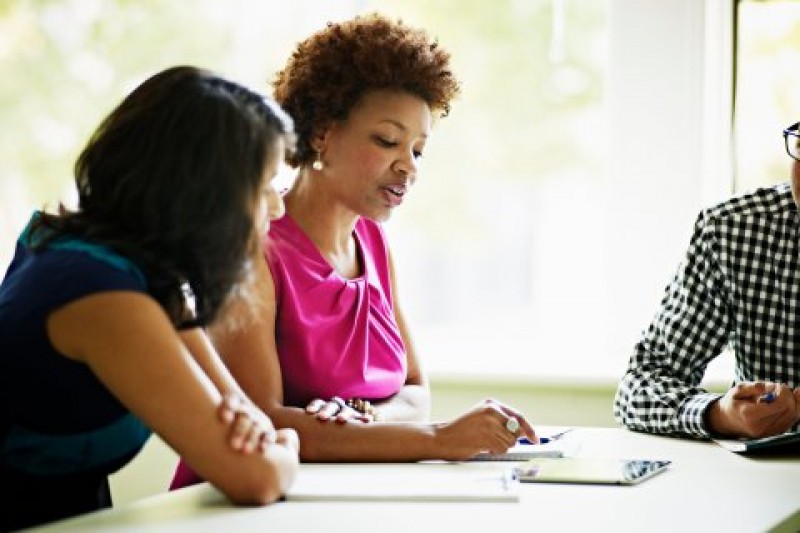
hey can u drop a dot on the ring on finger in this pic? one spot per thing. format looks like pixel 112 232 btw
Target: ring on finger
pixel 512 425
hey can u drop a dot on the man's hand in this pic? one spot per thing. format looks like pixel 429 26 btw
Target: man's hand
pixel 754 410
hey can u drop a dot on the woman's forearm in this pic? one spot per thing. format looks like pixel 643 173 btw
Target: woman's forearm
pixel 329 440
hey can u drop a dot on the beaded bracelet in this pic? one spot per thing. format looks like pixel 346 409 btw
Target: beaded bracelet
pixel 365 408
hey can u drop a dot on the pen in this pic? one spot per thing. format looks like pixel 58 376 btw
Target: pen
pixel 526 440
pixel 545 440
pixel 767 398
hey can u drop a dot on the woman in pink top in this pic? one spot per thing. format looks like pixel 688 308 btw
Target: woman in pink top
pixel 330 343
pixel 343 326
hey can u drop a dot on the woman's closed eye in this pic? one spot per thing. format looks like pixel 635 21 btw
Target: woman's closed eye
pixel 386 143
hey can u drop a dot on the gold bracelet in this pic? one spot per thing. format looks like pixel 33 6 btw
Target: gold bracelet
pixel 365 408
pixel 372 411
pixel 356 403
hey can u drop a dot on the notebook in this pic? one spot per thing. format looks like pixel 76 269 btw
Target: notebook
pixel 784 443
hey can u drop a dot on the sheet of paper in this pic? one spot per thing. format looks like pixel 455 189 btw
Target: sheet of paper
pixel 421 482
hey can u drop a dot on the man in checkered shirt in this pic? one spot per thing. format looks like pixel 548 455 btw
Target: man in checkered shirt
pixel 738 286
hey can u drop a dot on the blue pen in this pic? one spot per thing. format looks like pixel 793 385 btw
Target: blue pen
pixel 526 440
pixel 544 440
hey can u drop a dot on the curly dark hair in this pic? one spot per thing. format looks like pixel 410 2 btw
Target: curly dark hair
pixel 170 180
pixel 329 72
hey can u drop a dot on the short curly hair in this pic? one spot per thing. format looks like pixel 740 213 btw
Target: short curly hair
pixel 330 71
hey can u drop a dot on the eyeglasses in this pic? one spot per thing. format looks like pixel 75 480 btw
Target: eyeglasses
pixel 791 136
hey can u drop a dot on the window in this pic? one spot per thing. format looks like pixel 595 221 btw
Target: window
pixel 567 182
pixel 494 246
pixel 767 100
pixel 66 63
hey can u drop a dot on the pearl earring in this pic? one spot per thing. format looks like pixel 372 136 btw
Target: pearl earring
pixel 317 164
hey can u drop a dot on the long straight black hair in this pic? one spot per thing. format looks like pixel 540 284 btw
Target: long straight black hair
pixel 170 179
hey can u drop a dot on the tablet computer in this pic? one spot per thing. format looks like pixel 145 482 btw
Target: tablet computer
pixel 603 471
pixel 784 443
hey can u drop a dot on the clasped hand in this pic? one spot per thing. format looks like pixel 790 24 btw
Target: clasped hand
pixel 250 429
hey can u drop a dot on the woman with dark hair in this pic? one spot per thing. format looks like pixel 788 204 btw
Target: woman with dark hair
pixel 334 344
pixel 101 308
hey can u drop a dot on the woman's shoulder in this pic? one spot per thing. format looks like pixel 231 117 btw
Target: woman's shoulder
pixel 38 248
pixel 59 274
pixel 371 231
pixel 286 232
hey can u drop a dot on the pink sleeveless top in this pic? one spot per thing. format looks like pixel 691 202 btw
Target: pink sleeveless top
pixel 335 336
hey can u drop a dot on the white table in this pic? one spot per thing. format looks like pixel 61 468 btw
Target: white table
pixel 706 489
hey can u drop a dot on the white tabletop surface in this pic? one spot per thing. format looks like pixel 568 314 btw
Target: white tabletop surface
pixel 706 489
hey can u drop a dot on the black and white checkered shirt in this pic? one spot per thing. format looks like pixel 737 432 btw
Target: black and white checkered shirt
pixel 737 287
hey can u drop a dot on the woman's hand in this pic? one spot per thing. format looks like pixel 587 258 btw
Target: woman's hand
pixel 490 427
pixel 250 429
pixel 336 409
pixel 287 437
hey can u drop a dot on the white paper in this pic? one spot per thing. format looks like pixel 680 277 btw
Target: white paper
pixel 404 482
